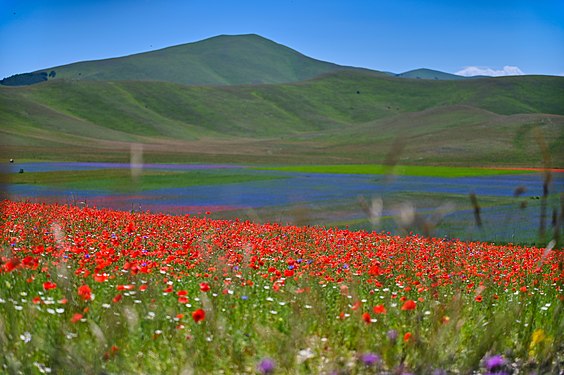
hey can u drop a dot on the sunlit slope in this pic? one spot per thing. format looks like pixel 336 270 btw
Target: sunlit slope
pixel 221 60
pixel 429 74
pixel 342 115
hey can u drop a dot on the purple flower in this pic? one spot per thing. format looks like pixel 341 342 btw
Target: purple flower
pixel 439 371
pixel 494 362
pixel 370 359
pixel 392 335
pixel 266 366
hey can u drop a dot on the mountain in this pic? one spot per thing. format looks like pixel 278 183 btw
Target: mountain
pixel 221 60
pixel 429 74
pixel 345 116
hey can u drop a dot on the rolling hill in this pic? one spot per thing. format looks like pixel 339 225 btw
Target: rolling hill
pixel 429 74
pixel 344 116
pixel 220 60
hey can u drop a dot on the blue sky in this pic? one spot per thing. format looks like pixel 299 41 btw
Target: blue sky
pixel 478 36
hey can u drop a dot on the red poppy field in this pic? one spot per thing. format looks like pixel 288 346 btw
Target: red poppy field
pixel 100 291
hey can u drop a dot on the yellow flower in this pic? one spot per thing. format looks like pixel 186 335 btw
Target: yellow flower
pixel 539 343
pixel 537 337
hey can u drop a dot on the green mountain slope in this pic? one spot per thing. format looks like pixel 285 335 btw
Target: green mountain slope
pixel 344 116
pixel 221 60
pixel 429 74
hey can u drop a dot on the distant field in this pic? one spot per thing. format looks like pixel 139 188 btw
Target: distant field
pixel 121 180
pixel 405 170
pixel 349 117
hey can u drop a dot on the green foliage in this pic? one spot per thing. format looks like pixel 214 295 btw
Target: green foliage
pixel 24 79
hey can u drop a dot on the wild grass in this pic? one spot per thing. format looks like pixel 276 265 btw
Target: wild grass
pixel 305 299
pixel 121 179
pixel 402 170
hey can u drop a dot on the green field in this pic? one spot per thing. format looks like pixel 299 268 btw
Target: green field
pixel 247 99
pixel 404 170
pixel 122 180
pixel 344 118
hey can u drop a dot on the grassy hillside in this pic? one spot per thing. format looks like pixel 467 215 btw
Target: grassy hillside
pixel 429 74
pixel 348 116
pixel 221 60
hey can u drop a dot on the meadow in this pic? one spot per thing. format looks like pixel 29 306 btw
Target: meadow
pixel 438 197
pixel 321 234
pixel 102 291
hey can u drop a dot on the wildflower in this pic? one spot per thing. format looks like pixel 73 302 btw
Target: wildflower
pixel 266 366
pixel 370 359
pixel 204 287
pixel 366 317
pixel 183 300
pixel 537 337
pixel 11 265
pixel 49 285
pixel 26 337
pixel 392 335
pixel 76 317
pixel 85 292
pixel 304 355
pixel 409 305
pixel 198 315
pixel 478 298
pixel 494 362
pixel 380 309
pixel 407 337
pixel 100 278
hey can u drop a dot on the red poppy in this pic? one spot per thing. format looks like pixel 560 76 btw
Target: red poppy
pixel 204 287
pixel 183 299
pixel 100 278
pixel 367 318
pixel 379 309
pixel 198 315
pixel 76 317
pixel 409 305
pixel 407 337
pixel 11 265
pixel 49 285
pixel 117 298
pixel 288 273
pixel 85 292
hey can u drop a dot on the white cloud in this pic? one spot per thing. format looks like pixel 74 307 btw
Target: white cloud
pixel 507 70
